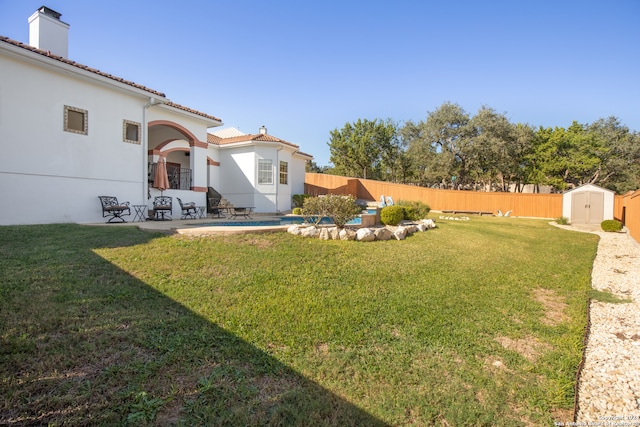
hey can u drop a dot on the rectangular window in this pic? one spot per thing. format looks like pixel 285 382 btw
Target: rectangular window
pixel 131 132
pixel 265 171
pixel 76 120
pixel 284 173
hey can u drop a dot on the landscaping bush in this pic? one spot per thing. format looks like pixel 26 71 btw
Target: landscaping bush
pixel 341 209
pixel 298 200
pixel 392 215
pixel 611 225
pixel 414 211
pixel 296 211
pixel 563 220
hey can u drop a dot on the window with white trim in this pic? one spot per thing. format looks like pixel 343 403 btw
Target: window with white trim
pixel 265 171
pixel 131 132
pixel 76 120
pixel 284 172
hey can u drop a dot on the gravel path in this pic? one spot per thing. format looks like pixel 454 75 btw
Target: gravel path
pixel 609 387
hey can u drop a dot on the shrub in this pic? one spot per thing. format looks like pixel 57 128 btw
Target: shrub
pixel 563 220
pixel 341 209
pixel 414 210
pixel 298 200
pixel 296 211
pixel 392 215
pixel 611 225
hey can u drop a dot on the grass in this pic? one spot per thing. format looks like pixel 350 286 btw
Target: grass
pixel 473 323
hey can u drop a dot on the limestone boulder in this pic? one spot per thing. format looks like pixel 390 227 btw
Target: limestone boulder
pixel 383 233
pixel 347 234
pixel 309 231
pixel 400 233
pixel 294 229
pixel 334 233
pixel 365 235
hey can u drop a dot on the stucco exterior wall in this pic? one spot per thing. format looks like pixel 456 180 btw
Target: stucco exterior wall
pixel 57 175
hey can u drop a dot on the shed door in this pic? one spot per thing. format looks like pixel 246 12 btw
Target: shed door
pixel 587 207
pixel 596 208
pixel 579 208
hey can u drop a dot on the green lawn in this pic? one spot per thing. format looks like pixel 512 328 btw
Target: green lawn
pixel 472 323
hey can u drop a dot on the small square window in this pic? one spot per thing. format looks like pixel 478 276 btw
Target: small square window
pixel 76 120
pixel 131 132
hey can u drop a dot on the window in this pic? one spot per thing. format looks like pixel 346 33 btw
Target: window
pixel 284 173
pixel 76 120
pixel 131 132
pixel 265 171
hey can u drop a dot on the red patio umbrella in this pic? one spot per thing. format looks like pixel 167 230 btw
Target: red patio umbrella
pixel 161 179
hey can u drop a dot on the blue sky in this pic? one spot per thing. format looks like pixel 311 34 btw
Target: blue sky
pixel 303 68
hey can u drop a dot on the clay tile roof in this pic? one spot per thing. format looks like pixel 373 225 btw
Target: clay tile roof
pixel 192 111
pixel 103 74
pixel 77 65
pixel 259 137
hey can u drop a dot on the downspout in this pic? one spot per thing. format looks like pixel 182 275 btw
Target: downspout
pixel 145 149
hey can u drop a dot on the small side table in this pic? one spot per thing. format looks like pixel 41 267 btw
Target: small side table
pixel 201 212
pixel 140 211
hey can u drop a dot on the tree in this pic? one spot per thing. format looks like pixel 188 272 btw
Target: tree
pixel 492 147
pixel 619 169
pixel 438 145
pixel 364 149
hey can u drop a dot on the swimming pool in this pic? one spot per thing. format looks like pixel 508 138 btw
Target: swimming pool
pixel 285 220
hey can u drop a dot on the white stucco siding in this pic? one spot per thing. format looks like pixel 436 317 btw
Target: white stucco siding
pixel 237 175
pixel 297 172
pixel 42 164
pixel 197 127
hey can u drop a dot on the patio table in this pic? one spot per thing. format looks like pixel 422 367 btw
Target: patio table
pixel 140 211
pixel 236 211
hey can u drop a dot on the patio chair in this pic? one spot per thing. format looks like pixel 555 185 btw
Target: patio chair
pixel 188 209
pixel 113 209
pixel 162 207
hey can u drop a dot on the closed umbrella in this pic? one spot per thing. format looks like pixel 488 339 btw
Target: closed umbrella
pixel 161 180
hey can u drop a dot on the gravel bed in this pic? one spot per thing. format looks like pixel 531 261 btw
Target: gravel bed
pixel 609 384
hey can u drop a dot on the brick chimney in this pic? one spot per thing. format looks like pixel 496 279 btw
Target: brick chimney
pixel 48 32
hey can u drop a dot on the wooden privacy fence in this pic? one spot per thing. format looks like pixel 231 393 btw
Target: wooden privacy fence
pixel 527 205
pixel 626 208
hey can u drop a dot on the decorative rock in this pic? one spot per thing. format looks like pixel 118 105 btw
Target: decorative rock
pixel 411 228
pixel 324 234
pixel 383 233
pixel 400 233
pixel 429 223
pixel 365 235
pixel 347 234
pixel 334 233
pixel 294 229
pixel 309 232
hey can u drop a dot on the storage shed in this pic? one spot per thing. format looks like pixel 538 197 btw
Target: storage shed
pixel 588 204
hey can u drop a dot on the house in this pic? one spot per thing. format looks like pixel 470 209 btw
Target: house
pixel 588 204
pixel 70 133
pixel 260 170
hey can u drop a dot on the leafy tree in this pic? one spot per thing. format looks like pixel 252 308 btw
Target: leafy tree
pixel 619 169
pixel 365 149
pixel 492 148
pixel 313 167
pixel 439 145
pixel 341 209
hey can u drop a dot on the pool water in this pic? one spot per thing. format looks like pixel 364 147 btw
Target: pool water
pixel 285 220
